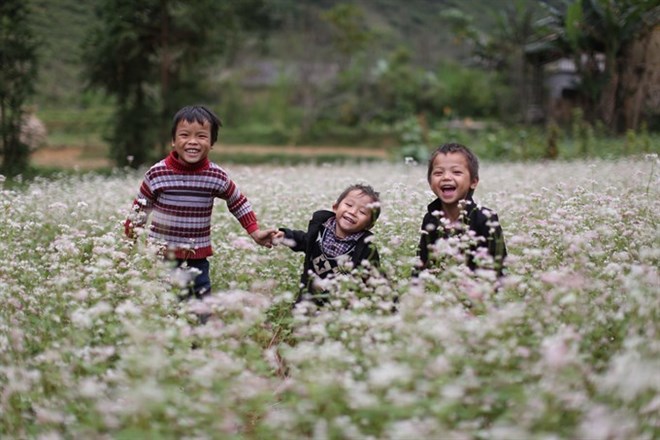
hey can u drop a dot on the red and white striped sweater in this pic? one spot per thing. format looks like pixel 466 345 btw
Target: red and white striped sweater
pixel 180 199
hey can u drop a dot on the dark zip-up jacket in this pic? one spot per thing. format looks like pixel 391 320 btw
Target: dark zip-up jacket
pixel 482 221
pixel 315 261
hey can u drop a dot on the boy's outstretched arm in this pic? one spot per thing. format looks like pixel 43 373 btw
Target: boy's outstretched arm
pixel 264 237
pixel 294 239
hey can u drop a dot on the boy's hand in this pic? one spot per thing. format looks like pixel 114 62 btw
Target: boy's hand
pixel 278 237
pixel 129 230
pixel 264 237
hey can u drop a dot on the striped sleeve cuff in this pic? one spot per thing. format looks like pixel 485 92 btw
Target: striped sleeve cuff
pixel 249 222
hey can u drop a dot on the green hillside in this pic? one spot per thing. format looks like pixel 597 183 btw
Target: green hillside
pixel 62 25
pixel 301 34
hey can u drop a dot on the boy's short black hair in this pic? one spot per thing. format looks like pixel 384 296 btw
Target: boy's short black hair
pixel 369 191
pixel 199 114
pixel 452 147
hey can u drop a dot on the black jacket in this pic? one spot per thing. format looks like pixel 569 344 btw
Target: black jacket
pixel 315 261
pixel 482 221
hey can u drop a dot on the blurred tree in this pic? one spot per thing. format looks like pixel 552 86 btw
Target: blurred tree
pixel 588 29
pixel 150 56
pixel 18 70
pixel 349 40
pixel 350 33
pixel 327 47
pixel 399 88
pixel 502 48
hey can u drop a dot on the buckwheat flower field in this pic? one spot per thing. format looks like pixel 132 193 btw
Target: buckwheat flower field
pixel 95 344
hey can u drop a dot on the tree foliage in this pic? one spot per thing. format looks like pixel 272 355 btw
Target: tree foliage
pixel 351 34
pixel 372 84
pixel 501 48
pixel 588 29
pixel 150 55
pixel 596 34
pixel 18 70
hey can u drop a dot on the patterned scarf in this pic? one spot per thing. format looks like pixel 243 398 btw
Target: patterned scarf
pixel 333 246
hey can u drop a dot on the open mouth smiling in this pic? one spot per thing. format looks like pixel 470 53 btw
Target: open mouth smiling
pixel 448 189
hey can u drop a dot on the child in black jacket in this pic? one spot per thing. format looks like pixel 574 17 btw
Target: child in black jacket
pixel 334 238
pixel 453 175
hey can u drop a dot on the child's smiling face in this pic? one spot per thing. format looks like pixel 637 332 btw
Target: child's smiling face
pixel 192 141
pixel 353 213
pixel 450 178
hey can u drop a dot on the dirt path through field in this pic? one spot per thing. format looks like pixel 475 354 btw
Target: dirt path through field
pixel 77 157
pixel 68 158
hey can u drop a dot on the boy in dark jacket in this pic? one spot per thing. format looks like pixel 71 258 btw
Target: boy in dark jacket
pixel 334 238
pixel 453 175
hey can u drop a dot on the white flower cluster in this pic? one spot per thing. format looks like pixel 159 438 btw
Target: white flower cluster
pixel 95 343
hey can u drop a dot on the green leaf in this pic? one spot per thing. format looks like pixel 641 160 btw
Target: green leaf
pixel 574 23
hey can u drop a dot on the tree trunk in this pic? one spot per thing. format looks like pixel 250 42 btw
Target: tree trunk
pixel 3 126
pixel 607 104
pixel 641 79
pixel 15 157
pixel 165 64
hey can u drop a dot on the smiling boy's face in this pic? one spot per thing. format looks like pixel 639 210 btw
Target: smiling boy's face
pixel 353 213
pixel 192 141
pixel 450 178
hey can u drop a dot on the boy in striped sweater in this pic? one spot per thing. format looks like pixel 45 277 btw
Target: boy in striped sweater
pixel 178 193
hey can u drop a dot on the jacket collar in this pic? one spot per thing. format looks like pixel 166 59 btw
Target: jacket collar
pixel 172 161
pixel 436 205
pixel 330 225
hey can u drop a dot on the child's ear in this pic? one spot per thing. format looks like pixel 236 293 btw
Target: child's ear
pixel 334 207
pixel 474 183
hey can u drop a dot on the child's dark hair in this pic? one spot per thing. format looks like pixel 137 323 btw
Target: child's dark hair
pixel 199 114
pixel 473 162
pixel 368 191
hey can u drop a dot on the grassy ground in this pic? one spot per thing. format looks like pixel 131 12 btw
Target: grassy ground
pixel 76 140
